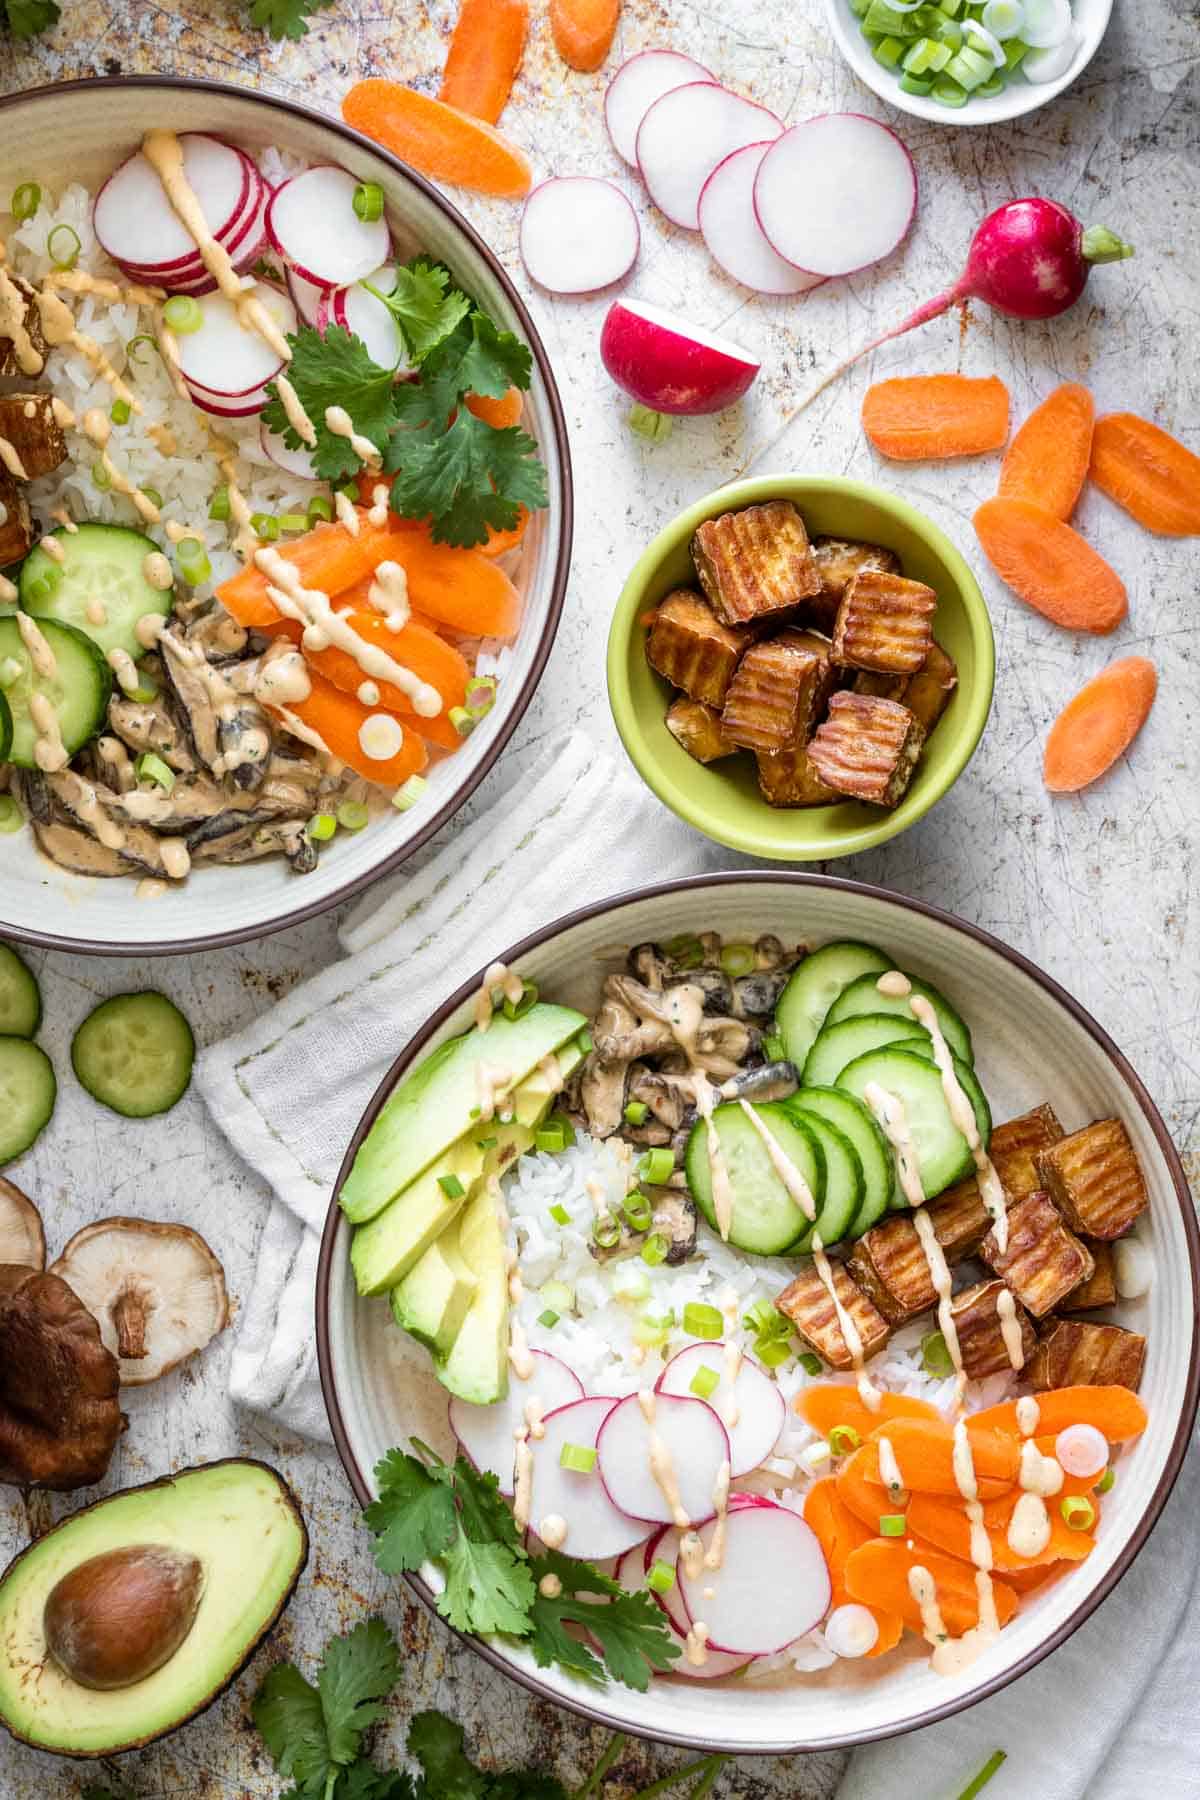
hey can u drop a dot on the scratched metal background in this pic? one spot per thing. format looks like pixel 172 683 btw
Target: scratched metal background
pixel 1100 890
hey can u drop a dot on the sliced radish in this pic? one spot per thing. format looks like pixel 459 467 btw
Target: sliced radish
pixel 772 1586
pixel 664 1547
pixel 836 193
pixel 136 223
pixel 369 319
pixel 311 221
pixel 595 1527
pixel 241 239
pixel 239 406
pixel 578 234
pixel 686 134
pixel 488 1434
pixel 669 365
pixel 692 1439
pixel 306 296
pixel 299 463
pixel 751 1409
pixel 635 87
pixel 225 357
pixel 733 234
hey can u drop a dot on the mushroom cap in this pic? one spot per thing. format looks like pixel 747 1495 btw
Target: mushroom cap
pixel 59 1415
pixel 156 1290
pixel 22 1239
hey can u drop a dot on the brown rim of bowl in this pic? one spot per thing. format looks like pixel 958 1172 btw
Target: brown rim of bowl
pixel 757 878
pixel 299 915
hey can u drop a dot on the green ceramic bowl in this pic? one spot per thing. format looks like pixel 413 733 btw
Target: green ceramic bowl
pixel 723 800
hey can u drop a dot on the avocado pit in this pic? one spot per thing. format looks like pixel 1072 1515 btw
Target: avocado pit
pixel 118 1617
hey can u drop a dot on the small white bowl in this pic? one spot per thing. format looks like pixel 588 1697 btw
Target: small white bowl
pixel 1019 97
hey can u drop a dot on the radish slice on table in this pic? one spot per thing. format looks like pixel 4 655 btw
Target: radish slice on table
pixel 683 1437
pixel 136 223
pixel 579 1500
pixel 488 1434
pixel 669 365
pixel 686 134
pixel 306 296
pixel 836 193
pixel 225 357
pixel 635 87
pixel 293 462
pixel 663 1547
pixel 312 222
pixel 751 1409
pixel 733 235
pixel 578 234
pixel 772 1586
pixel 369 319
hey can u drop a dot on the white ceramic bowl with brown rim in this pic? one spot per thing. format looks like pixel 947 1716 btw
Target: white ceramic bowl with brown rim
pixel 81 131
pixel 379 1389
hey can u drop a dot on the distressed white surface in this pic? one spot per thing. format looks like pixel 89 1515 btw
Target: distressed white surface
pixel 1097 889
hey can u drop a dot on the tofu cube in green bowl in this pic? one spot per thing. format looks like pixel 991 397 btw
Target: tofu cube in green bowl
pixel 723 798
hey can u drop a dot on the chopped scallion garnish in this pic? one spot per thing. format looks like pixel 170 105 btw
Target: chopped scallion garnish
pixel 462 721
pixel 320 507
pixel 218 507
pixel 661 1578
pixel 637 1210
pixel 264 526
pixel 409 793
pixel 192 558
pixel 579 1458
pixel 293 522
pixel 352 815
pixel 66 255
pixel 153 496
pixel 774 1048
pixel 606 1231
pixel 549 1319
pixel 655 1249
pixel 119 412
pixel 1078 1513
pixel 152 768
pixel 772 1352
pixel 486 1143
pixel 686 950
pixel 935 1355
pixel 558 1295
pixel 891 1525
pixel 737 959
pixel 25 201
pixel 11 818
pixel 101 477
pixel 651 1333
pixel 321 827
pixel 559 1214
pixel 650 424
pixel 810 1362
pixel 550 1139
pixel 994 1762
pixel 516 1009
pixel 1106 1481
pixel 843 1439
pixel 704 1382
pixel 143 337
pixel 451 1186
pixel 480 696
pixel 656 1166
pixel 701 1320
pixel 183 314
pixel 368 202
pixel 635 1112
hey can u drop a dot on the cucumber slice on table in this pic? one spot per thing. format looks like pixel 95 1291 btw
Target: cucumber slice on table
pixel 844 1184
pixel 765 1218
pixel 134 1054
pixel 100 585
pixel 863 996
pixel 77 688
pixel 20 1001
pixel 815 986
pixel 839 1044
pixel 855 1122
pixel 27 1094
pixel 943 1154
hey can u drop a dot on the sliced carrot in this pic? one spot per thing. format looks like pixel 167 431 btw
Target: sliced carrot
pixel 1050 566
pixel 584 30
pixel 1148 472
pixel 860 1488
pixel 877 1575
pixel 499 543
pixel 328 558
pixel 921 418
pixel 1099 724
pixel 1116 1411
pixel 944 1522
pixel 1036 1576
pixel 337 717
pixel 501 411
pixel 838 1532
pixel 831 1404
pixel 924 1450
pixel 484 56
pixel 1072 1484
pixel 437 139
pixel 416 647
pixel 1047 461
pixel 460 588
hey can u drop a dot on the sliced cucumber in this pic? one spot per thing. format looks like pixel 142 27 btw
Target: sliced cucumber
pixel 854 1121
pixel 765 1218
pixel 20 1000
pixel 5 729
pixel 100 585
pixel 943 1154
pixel 78 689
pixel 863 996
pixel 839 1044
pixel 134 1054
pixel 27 1094
pixel 815 986
pixel 844 1184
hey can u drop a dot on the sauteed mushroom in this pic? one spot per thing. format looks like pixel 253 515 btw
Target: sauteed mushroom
pixel 59 1417
pixel 22 1239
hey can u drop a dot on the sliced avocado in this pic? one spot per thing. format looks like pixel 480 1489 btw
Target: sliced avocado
pixel 477 1367
pixel 434 1297
pixel 432 1108
pixel 238 1518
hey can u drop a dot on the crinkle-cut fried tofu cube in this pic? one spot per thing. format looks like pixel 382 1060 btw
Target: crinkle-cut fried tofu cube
pixel 787 778
pixel 927 693
pixel 756 563
pixel 867 748
pixel 1043 1259
pixel 1095 1179
pixel 960 1219
pixel 838 561
pixel 807 1303
pixel 776 692
pixel 1080 1353
pixel 29 424
pixel 890 1266
pixel 698 729
pixel 879 686
pixel 1100 1289
pixel 688 645
pixel 884 623
pixel 1015 1144
pixel 980 1327
pixel 16 523
pixel 31 321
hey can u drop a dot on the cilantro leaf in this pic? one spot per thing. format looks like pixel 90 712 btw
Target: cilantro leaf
pixel 487 1589
pixel 26 18
pixel 282 18
pixel 419 302
pixel 365 1782
pixel 483 1515
pixel 436 1743
pixel 632 1633
pixel 291 1722
pixel 414 1518
pixel 494 360
pixel 467 479
pixel 357 1672
pixel 334 370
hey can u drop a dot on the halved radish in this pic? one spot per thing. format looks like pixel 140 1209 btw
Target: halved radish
pixel 637 84
pixel 733 235
pixel 136 223
pixel 663 1547
pixel 669 365
pixel 686 134
pixel 225 357
pixel 578 234
pixel 311 222
pixel 595 1527
pixel 293 462
pixel 772 1586
pixel 306 296
pixel 751 1408
pixel 488 1434
pixel 369 319
pixel 836 193
pixel 691 1442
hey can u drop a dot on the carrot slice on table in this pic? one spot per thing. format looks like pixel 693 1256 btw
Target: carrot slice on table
pixel 1116 1411
pixel 831 1404
pixel 1050 566
pixel 838 1532
pixel 1148 472
pixel 583 30
pixel 416 647
pixel 1047 461
pixel 328 558
pixel 919 418
pixel 484 56
pixel 500 410
pixel 944 1522
pixel 437 139
pixel 1099 724
pixel 337 717
pixel 877 1575
pixel 924 1450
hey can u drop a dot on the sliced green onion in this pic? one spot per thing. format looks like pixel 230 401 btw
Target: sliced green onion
pixel 652 1333
pixel 69 246
pixel 145 691
pixel 606 1231
pixel 321 827
pixel 101 477
pixel 935 1355
pixel 152 768
pixel 451 1186
pixel 843 1439
pixel 994 1763
pixel 558 1295
pixel 368 202
pixel 352 815
pixel 480 696
pixel 559 1214
pixel 704 1382
pixel 184 314
pixel 550 1139
pixel 219 505
pixel 320 507
pixel 765 1320
pixel 350 489
pixel 661 1578
pixel 656 1166
pixel 119 412
pixel 772 1352
pixel 293 522
pixel 516 1009
pixel 650 424
pixel 916 84
pixel 193 561
pixel 686 950
pixel 560 1122
pixel 474 1112
pixel 581 1458
pixel 1106 1481
pixel 11 818
pixel 811 1363
pixel 655 1249
pixel 635 1112
pixel 265 526
pixel 774 1048
pixel 637 1210
pixel 407 795
pixel 549 1319
pixel 25 201
pixel 1078 1513
pixel 486 1143
pixel 143 337
pixel 737 959
pixel 701 1320
pixel 463 721
pixel 891 1525
pixel 153 496
pixel 888 51
pixel 631 1283
pixel 11 670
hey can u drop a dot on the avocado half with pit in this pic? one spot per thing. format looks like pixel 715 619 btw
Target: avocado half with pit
pixel 136 1613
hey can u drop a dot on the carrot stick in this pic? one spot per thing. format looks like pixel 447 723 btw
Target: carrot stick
pixel 437 139
pixel 830 1404
pixel 484 56
pixel 1099 724
pixel 501 412
pixel 877 1575
pixel 337 718
pixel 918 418
pixel 1114 1410
pixel 416 647
pixel 328 557
pixel 1148 472
pixel 1050 566
pixel 1047 461
pixel 583 30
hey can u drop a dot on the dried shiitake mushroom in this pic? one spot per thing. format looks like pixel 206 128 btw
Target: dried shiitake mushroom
pixel 22 1239
pixel 116 1618
pixel 59 1417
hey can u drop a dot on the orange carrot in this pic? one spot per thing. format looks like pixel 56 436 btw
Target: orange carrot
pixel 1050 566
pixel 337 718
pixel 860 1487
pixel 944 1522
pixel 1148 472
pixel 831 1404
pixel 1116 1411
pixel 918 418
pixel 583 30
pixel 484 56
pixel 500 412
pixel 1072 1484
pixel 417 648
pixel 460 588
pixel 877 1575
pixel 437 139
pixel 500 542
pixel 1047 461
pixel 838 1532
pixel 924 1450
pixel 1099 724
pixel 328 557
pixel 1025 1580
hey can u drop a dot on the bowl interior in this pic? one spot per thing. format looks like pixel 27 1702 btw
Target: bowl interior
pixel 379 1389
pixel 80 133
pixel 723 799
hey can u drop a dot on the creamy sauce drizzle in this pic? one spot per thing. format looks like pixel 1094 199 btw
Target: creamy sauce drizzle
pixel 963 1114
pixel 1028 1415
pixel 782 1164
pixel 662 1466
pixel 889 1113
pixel 293 407
pixel 523 1496
pixel 496 975
pixel 388 594
pixel 1010 1326
pixel 889 1469
pixel 520 1357
pixel 868 1393
pixel 939 1274
pixel 553 1531
pixel 894 985
pixel 338 420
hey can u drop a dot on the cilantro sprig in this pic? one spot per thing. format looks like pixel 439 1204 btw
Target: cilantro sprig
pixel 284 18
pixel 27 17
pixel 315 1733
